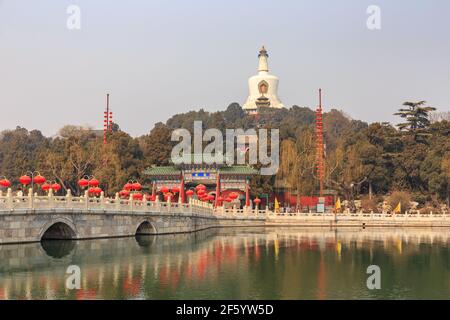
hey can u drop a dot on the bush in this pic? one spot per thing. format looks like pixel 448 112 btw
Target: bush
pixel 368 204
pixel 399 196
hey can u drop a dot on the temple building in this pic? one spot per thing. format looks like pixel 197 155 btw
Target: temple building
pixel 220 179
pixel 263 88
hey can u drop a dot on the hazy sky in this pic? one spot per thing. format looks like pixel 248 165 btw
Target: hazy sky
pixel 158 58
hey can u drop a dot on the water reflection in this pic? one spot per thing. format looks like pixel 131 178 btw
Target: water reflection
pixel 256 263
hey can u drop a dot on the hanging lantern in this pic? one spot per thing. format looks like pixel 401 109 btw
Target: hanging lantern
pixel 128 186
pixel 175 190
pixel 200 187
pixel 228 199
pixel 190 193
pixel 39 179
pixel 201 192
pixel 124 193
pixel 210 197
pixel 25 180
pixel 56 187
pixel 220 199
pixel 257 201
pixel 97 190
pixel 46 187
pixel 91 190
pixel 233 195
pixel 137 186
pixel 137 196
pixel 149 197
pixel 83 183
pixel 5 183
pixel 94 182
pixel 164 189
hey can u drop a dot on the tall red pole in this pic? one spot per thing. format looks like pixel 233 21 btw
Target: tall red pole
pixel 183 200
pixel 320 163
pixel 216 202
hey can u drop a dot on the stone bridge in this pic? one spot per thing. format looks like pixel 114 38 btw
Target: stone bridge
pixel 34 218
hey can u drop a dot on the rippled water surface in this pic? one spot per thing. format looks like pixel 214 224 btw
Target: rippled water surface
pixel 256 263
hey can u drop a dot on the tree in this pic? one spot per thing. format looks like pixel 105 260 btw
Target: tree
pixel 417 119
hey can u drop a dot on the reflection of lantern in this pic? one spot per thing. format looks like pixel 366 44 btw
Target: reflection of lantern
pixel 189 193
pixel 5 183
pixel 39 179
pixel 25 180
pixel 94 182
pixel 164 189
pixel 45 187
pixel 83 183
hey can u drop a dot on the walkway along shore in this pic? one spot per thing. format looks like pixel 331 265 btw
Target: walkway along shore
pixel 35 218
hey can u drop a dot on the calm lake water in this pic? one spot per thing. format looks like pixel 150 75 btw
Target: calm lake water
pixel 255 263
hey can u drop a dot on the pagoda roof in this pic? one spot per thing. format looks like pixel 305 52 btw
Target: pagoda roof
pixel 162 171
pixel 247 170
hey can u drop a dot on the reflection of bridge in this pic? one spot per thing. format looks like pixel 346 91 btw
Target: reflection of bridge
pixel 33 218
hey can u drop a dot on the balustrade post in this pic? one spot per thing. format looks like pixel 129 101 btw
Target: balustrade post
pixel 102 200
pixel 69 198
pixel 9 199
pixel 86 200
pixel 30 199
pixel 130 202
pixel 169 203
pixel 50 199
pixel 117 201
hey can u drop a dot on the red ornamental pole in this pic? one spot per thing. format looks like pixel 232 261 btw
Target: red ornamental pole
pixel 216 203
pixel 320 163
pixel 182 195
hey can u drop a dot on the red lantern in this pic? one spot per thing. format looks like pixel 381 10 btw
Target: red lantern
pixel 189 193
pixel 201 192
pixel 91 190
pixel 137 196
pixel 220 199
pixel 228 199
pixel 25 180
pixel 5 183
pixel 94 182
pixel 83 183
pixel 175 190
pixel 97 190
pixel 148 197
pixel 45 187
pixel 233 195
pixel 210 197
pixel 124 193
pixel 128 186
pixel 56 187
pixel 200 187
pixel 257 201
pixel 164 189
pixel 39 179
pixel 137 186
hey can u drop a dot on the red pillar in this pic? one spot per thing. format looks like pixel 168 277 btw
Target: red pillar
pixel 247 194
pixel 216 202
pixel 182 194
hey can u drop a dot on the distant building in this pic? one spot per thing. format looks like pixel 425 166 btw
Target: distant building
pixel 263 88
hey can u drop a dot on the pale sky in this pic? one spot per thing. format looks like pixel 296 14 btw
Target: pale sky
pixel 159 58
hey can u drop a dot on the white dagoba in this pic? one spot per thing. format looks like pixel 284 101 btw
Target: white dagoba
pixel 263 87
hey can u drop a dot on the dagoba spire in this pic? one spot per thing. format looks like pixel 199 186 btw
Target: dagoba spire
pixel 263 87
pixel 263 65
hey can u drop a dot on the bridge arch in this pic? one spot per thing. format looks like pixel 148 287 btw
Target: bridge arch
pixel 145 227
pixel 59 229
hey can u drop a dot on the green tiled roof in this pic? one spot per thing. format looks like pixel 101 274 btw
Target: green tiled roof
pixel 199 158
pixel 238 170
pixel 162 171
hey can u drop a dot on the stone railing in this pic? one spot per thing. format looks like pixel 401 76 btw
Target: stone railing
pixel 30 202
